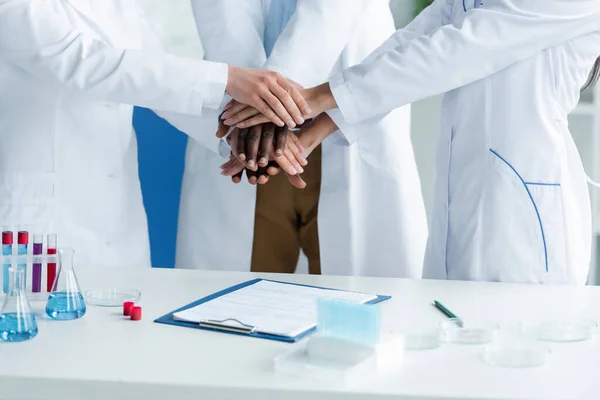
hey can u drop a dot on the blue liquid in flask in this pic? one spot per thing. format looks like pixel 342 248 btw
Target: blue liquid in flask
pixel 65 301
pixel 17 328
pixel 65 306
pixel 17 321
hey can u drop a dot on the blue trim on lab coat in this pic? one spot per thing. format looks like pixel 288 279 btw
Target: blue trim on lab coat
pixel 525 185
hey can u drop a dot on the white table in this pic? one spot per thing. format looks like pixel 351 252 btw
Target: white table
pixel 104 356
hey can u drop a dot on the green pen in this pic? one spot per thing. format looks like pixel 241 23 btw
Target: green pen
pixel 447 312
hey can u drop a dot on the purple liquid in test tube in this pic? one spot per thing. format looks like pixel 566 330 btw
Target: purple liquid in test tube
pixel 38 245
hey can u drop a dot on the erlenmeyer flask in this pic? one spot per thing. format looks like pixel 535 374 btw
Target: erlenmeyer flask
pixel 17 321
pixel 65 301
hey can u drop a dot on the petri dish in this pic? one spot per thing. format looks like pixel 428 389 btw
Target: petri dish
pixel 111 297
pixel 469 332
pixel 425 339
pixel 561 329
pixel 516 353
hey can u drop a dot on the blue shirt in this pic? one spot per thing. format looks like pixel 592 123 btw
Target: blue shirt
pixel 280 13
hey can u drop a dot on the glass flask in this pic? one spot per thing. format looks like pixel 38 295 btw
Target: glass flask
pixel 65 301
pixel 17 321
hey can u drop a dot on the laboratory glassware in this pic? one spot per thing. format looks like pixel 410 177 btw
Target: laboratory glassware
pixel 65 301
pixel 560 328
pixel 516 352
pixel 36 283
pixel 422 337
pixel 17 321
pixel 469 332
pixel 111 297
pixel 22 242
pixel 51 250
pixel 7 245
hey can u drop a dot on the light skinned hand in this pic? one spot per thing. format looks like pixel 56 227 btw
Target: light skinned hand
pixel 319 98
pixel 236 169
pixel 276 97
pixel 261 176
pixel 309 137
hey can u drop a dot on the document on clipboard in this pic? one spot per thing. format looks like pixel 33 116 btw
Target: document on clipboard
pixel 266 308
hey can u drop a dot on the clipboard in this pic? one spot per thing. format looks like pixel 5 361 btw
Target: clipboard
pixel 245 330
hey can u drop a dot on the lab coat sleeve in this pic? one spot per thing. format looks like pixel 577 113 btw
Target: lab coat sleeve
pixel 314 38
pixel 200 129
pixel 193 126
pixel 431 18
pixel 231 32
pixel 37 36
pixel 483 42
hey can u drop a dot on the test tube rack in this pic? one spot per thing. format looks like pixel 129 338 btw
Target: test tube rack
pixel 28 261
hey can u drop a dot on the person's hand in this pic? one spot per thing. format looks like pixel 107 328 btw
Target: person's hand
pixel 309 137
pixel 313 134
pixel 222 129
pixel 271 137
pixel 274 96
pixel 319 99
pixel 266 142
pixel 235 111
pixel 236 169
pixel 260 142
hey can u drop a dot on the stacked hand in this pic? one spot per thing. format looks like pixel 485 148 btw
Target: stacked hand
pixel 291 159
pixel 264 143
pixel 261 143
pixel 278 99
pixel 245 115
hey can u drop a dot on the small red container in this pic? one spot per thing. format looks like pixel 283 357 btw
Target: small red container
pixel 23 237
pixel 7 237
pixel 136 313
pixel 127 307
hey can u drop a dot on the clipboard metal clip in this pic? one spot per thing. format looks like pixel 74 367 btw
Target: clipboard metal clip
pixel 220 325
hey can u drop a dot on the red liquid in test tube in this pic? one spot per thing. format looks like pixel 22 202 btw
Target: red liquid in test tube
pixel 51 250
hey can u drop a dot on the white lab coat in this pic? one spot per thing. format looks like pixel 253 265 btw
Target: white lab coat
pixel 68 154
pixel 371 219
pixel 511 201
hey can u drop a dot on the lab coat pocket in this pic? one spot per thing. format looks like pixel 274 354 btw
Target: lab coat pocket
pixel 27 201
pixel 523 235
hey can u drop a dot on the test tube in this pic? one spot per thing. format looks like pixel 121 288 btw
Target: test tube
pixel 22 242
pixel 51 250
pixel 7 245
pixel 38 245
